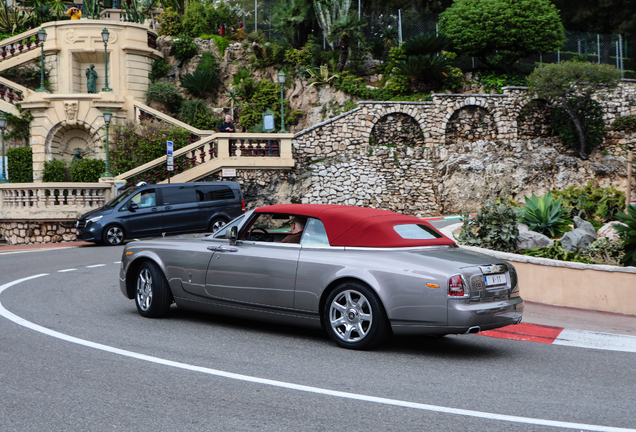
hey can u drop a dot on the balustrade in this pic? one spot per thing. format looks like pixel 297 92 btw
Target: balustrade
pixel 44 196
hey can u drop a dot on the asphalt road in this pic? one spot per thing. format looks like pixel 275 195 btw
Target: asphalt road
pixel 196 372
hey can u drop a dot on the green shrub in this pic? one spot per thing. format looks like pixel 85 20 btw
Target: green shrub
pixel 625 123
pixel 301 57
pixel 266 96
pixel 170 23
pixel 134 145
pixel 545 215
pixel 596 205
pixel 26 76
pixel 87 170
pixel 496 80
pixel 494 227
pixel 194 22
pixel 55 171
pixel 159 70
pixel 268 54
pixel 221 43
pixel 591 118
pixel 217 13
pixel 628 235
pixel 197 114
pixel 605 251
pixel 397 83
pixel 20 126
pixel 166 94
pixel 20 164
pixel 184 48
pixel 558 253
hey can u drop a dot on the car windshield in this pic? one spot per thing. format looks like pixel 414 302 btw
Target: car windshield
pixel 121 197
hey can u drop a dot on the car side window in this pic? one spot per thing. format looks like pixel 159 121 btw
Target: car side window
pixel 145 198
pixel 179 195
pixel 314 234
pixel 215 193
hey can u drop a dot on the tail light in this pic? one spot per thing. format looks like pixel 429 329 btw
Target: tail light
pixel 243 206
pixel 456 286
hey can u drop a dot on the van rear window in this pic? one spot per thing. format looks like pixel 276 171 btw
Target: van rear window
pixel 215 193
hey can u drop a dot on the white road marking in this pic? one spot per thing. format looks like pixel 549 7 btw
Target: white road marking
pixel 281 384
pixel 35 250
pixel 596 340
pixel 116 262
pixel 96 265
pixel 66 270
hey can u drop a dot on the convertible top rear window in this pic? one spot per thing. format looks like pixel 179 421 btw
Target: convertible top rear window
pixel 416 232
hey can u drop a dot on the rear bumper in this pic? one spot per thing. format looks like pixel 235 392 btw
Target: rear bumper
pixel 463 316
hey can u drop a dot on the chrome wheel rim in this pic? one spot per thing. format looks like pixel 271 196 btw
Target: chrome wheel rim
pixel 217 225
pixel 350 316
pixel 144 289
pixel 114 235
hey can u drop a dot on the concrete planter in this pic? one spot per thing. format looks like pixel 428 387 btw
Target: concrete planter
pixel 563 283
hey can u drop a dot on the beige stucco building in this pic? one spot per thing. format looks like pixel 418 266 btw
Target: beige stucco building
pixel 68 118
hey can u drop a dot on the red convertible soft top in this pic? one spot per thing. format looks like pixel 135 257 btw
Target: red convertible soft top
pixel 359 226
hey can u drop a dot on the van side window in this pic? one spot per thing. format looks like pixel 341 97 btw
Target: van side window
pixel 143 199
pixel 216 193
pixel 179 195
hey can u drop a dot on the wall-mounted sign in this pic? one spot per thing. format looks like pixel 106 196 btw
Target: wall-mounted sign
pixel 268 121
pixel 228 172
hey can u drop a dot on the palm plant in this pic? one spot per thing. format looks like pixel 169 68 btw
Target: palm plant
pixel 545 215
pixel 200 82
pixel 147 7
pixel 288 17
pixel 233 98
pixel 244 84
pixel 426 44
pixel 628 235
pixel 11 20
pixel 347 30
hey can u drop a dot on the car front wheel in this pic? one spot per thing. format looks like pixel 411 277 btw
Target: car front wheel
pixel 153 295
pixel 113 235
pixel 354 317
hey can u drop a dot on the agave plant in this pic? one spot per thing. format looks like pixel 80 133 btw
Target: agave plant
pixel 628 235
pixel 320 76
pixel 545 215
pixel 11 19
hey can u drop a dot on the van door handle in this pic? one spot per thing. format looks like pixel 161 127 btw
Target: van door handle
pixel 167 207
pixel 221 249
pixel 154 209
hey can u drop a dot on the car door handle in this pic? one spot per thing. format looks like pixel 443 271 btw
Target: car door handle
pixel 154 209
pixel 221 249
pixel 167 207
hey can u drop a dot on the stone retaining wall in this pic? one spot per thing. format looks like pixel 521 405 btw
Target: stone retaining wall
pixel 38 232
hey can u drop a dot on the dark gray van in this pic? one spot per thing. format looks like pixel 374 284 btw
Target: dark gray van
pixel 151 210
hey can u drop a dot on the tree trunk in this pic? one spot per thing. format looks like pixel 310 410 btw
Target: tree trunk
pixel 344 53
pixel 579 130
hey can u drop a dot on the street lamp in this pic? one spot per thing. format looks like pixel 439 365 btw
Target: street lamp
pixel 41 38
pixel 3 124
pixel 105 35
pixel 281 81
pixel 108 115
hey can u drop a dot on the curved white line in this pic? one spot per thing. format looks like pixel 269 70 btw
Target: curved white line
pixel 281 384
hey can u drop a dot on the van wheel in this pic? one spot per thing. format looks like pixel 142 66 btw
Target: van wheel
pixel 113 235
pixel 216 225
pixel 354 318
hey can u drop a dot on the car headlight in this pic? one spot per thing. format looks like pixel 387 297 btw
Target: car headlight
pixel 93 219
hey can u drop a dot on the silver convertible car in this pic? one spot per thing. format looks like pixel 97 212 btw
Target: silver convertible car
pixel 359 273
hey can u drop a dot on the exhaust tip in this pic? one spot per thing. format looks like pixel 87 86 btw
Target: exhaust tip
pixel 472 330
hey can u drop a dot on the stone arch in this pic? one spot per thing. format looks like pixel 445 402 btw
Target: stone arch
pixel 470 123
pixel 65 138
pixel 399 129
pixel 533 119
pixel 385 110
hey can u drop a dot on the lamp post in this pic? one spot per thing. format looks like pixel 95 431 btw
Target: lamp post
pixel 3 124
pixel 281 81
pixel 41 38
pixel 105 35
pixel 107 117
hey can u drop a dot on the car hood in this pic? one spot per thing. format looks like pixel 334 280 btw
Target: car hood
pixel 103 210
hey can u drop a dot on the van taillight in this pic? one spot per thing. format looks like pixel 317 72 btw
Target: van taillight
pixel 243 205
pixel 456 286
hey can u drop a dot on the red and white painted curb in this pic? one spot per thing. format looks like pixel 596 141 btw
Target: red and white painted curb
pixel 566 337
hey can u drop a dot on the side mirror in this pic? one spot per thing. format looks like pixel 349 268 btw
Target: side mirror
pixel 232 235
pixel 133 207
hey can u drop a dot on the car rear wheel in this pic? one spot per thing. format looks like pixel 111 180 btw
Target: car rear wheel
pixel 354 317
pixel 217 224
pixel 113 235
pixel 153 295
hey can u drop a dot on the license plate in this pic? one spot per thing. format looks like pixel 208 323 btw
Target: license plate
pixel 498 279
